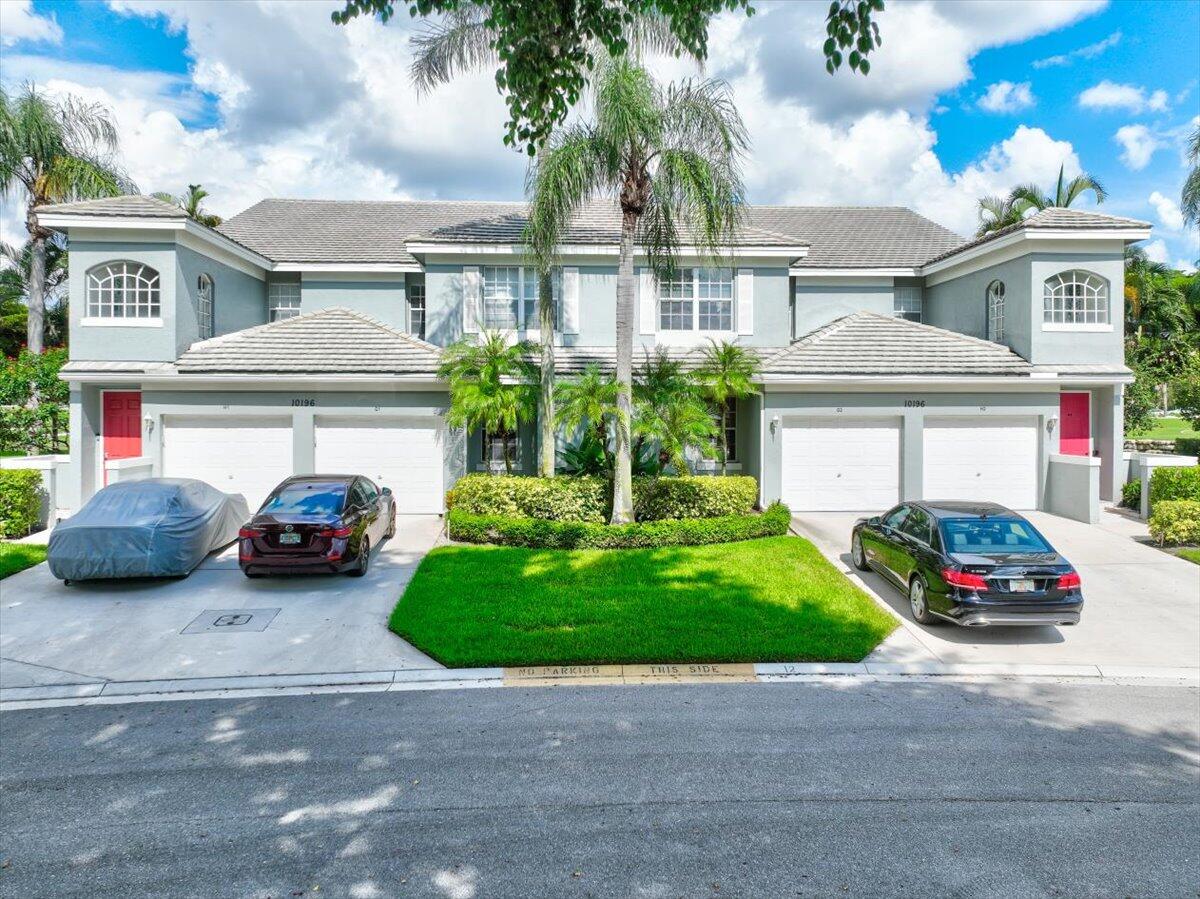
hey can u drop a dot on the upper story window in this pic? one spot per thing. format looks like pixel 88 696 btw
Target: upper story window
pixel 1076 298
pixel 906 303
pixel 416 310
pixel 995 312
pixel 283 300
pixel 204 305
pixel 696 299
pixel 123 290
pixel 510 297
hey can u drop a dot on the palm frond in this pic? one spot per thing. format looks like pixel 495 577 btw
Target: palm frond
pixel 1079 185
pixel 1190 196
pixel 573 166
pixel 460 42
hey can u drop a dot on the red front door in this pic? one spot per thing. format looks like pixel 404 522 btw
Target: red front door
pixel 122 425
pixel 1075 424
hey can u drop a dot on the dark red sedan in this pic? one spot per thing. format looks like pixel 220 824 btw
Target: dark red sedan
pixel 317 523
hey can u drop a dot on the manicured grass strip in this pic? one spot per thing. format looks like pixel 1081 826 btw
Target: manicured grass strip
pixel 775 599
pixel 1189 553
pixel 1168 429
pixel 16 557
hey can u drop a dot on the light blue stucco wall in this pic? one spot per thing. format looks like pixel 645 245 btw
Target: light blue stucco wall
pixel 382 300
pixel 961 303
pixel 239 299
pixel 1077 346
pixel 818 302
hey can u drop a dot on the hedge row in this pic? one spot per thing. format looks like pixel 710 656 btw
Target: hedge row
pixel 20 501
pixel 1176 521
pixel 1175 483
pixel 1187 446
pixel 581 498
pixel 541 533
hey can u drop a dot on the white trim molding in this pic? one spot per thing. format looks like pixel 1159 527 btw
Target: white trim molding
pixel 599 249
pixel 1091 327
pixel 95 322
pixel 864 272
pixel 984 251
pixel 374 269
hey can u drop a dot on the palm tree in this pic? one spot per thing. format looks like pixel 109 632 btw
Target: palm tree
pixel 190 203
pixel 590 402
pixel 670 412
pixel 727 375
pixel 1190 198
pixel 1025 197
pixel 14 294
pixel 1155 307
pixel 671 157
pixel 996 213
pixel 55 150
pixel 489 387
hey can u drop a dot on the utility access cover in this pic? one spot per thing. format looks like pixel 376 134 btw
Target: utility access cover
pixel 230 621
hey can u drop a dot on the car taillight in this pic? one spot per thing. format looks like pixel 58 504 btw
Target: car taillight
pixel 964 579
pixel 247 533
pixel 335 532
pixel 1070 581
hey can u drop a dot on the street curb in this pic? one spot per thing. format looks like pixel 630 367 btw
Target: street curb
pixel 418 679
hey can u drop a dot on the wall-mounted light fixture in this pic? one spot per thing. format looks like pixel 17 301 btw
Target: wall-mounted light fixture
pixel 148 420
pixel 1051 424
pixel 774 424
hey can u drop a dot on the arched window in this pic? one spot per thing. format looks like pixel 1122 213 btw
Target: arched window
pixel 995 312
pixel 123 290
pixel 204 305
pixel 1076 298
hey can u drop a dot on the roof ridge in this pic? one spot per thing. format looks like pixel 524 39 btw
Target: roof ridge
pixel 925 326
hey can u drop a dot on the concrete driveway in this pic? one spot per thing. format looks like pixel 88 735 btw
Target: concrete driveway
pixel 159 629
pixel 1142 606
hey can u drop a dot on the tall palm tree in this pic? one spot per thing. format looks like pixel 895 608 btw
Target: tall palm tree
pixel 996 213
pixel 191 204
pixel 670 412
pixel 1026 197
pixel 671 158
pixel 489 386
pixel 590 402
pixel 1190 198
pixel 54 149
pixel 727 375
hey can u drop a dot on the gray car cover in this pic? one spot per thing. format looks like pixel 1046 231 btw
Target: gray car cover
pixel 159 527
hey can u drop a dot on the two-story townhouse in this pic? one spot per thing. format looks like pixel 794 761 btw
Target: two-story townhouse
pixel 898 359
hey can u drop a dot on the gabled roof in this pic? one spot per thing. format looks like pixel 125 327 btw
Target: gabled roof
pixel 329 341
pixel 871 343
pixel 132 205
pixel 859 236
pixel 1053 219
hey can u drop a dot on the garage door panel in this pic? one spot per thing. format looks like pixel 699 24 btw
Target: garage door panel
pixel 403 453
pixel 993 459
pixel 248 457
pixel 841 464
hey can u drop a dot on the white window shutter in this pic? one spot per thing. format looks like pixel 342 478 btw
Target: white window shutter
pixel 472 288
pixel 745 301
pixel 648 301
pixel 570 300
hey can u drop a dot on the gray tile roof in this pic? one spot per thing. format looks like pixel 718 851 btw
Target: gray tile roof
pixel 334 340
pixel 870 343
pixel 85 366
pixel 128 205
pixel 1055 218
pixel 858 236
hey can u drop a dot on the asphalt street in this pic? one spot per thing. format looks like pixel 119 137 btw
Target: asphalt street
pixel 837 788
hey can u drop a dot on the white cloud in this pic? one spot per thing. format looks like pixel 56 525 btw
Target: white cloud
pixel 1156 251
pixel 1185 266
pixel 1110 95
pixel 1138 144
pixel 21 23
pixel 1004 96
pixel 1168 211
pixel 1089 52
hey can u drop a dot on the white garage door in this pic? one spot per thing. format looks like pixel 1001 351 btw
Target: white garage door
pixel 842 464
pixel 404 454
pixel 248 457
pixel 992 459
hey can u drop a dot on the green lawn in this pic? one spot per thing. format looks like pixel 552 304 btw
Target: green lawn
pixel 16 557
pixel 770 600
pixel 1192 554
pixel 1168 429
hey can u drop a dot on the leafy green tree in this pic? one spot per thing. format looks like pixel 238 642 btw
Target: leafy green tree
pixel 191 203
pixel 1154 304
pixel 53 150
pixel 589 403
pixel 1190 198
pixel 1141 399
pixel 14 291
pixel 670 413
pixel 671 157
pixel 1185 395
pixel 726 375
pixel 490 386
pixel 41 429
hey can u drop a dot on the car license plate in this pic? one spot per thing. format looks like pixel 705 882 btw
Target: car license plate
pixel 1021 586
pixel 289 538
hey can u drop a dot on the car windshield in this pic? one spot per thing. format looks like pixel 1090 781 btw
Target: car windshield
pixel 307 498
pixel 991 535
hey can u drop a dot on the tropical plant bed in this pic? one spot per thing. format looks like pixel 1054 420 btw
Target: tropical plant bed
pixel 773 599
pixel 16 557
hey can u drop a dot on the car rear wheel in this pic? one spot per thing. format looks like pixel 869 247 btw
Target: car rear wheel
pixel 918 602
pixel 857 556
pixel 364 559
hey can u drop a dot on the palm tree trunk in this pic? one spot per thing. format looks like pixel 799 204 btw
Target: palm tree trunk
pixel 507 452
pixel 622 508
pixel 35 323
pixel 546 394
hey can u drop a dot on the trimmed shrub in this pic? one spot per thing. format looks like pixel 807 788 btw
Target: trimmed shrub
pixel 20 501
pixel 1131 495
pixel 1187 446
pixel 540 533
pixel 1176 521
pixel 1174 483
pixel 583 498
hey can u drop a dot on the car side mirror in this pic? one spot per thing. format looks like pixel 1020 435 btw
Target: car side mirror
pixel 873 522
pixel 386 491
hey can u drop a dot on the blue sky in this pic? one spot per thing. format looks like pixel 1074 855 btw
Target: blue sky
pixel 966 98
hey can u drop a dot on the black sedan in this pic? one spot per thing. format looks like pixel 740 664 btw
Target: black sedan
pixel 975 564
pixel 317 523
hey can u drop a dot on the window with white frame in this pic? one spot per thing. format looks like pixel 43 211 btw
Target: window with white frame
pixel 204 305
pixel 123 290
pixel 283 300
pixel 906 303
pixel 696 299
pixel 995 311
pixel 496 446
pixel 416 310
pixel 1075 298
pixel 510 297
